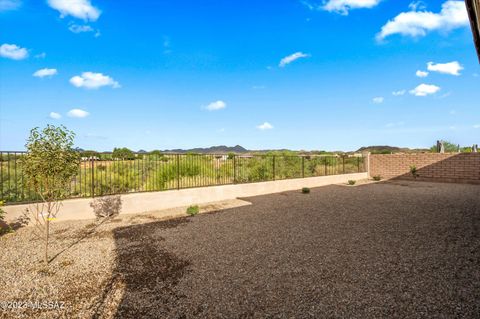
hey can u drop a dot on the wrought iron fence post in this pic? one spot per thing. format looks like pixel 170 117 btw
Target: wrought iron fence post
pixel 234 170
pixel 325 161
pixel 92 168
pixel 178 171
pixel 303 166
pixel 273 162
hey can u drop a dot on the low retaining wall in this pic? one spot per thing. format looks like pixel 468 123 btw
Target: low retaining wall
pixel 456 168
pixel 75 209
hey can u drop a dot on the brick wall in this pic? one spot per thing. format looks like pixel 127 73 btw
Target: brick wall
pixel 458 168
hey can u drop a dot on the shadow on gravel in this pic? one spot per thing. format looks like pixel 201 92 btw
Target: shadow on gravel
pixel 6 228
pixel 145 272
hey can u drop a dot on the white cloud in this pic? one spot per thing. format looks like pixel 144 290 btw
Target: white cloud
pixel 476 126
pixel 265 126
pixel 418 23
pixel 55 115
pixel 13 52
pixel 45 72
pixel 6 5
pixel 452 68
pixel 343 6
pixel 215 106
pixel 41 55
pixel 398 93
pixel 425 89
pixel 292 57
pixel 421 74
pixel 91 80
pixel 78 113
pixel 340 6
pixel 378 100
pixel 81 9
pixel 75 28
pixel 417 5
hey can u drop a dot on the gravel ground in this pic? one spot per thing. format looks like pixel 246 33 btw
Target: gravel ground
pixel 396 249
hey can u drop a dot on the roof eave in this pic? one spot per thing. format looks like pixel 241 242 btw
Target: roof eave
pixel 473 8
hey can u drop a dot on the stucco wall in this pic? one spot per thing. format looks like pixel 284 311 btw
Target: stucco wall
pixel 75 209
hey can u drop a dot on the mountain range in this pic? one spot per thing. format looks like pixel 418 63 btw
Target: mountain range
pixel 238 149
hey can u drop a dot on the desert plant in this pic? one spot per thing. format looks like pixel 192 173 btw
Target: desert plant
pixel 4 227
pixel 2 212
pixel 377 178
pixel 306 190
pixel 193 210
pixel 49 166
pixel 414 171
pixel 106 206
pixel 352 182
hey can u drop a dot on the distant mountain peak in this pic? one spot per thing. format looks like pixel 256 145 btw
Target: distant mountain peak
pixel 211 150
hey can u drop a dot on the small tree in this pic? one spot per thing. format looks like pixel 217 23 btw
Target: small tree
pixel 49 166
pixel 156 153
pixel 123 154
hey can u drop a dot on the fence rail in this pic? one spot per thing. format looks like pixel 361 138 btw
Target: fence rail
pixel 105 175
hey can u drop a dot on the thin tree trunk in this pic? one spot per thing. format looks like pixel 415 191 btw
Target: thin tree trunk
pixel 47 234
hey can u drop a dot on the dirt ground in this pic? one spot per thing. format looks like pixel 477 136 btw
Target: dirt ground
pixel 388 249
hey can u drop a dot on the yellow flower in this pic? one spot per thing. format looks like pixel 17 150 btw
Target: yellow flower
pixel 51 218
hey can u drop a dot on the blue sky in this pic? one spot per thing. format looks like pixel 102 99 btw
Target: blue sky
pixel 262 74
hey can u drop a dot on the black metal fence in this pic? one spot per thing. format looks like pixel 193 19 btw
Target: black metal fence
pixel 105 175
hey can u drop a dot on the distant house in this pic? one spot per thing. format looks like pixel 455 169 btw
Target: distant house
pixel 357 155
pixel 90 158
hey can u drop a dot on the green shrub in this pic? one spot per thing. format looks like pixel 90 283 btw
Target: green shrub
pixel 193 210
pixel 123 153
pixel 414 171
pixel 351 182
pixel 4 227
pixel 377 178
pixel 2 212
pixel 306 190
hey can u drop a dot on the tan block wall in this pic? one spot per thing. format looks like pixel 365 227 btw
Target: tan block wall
pixel 458 168
pixel 75 209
